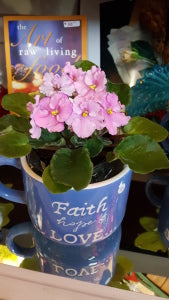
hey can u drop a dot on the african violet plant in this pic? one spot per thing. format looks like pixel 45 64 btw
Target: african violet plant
pixel 79 116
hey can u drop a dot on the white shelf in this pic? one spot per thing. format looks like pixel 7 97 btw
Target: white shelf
pixel 148 264
pixel 19 284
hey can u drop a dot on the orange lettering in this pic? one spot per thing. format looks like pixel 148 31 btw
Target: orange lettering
pixel 52 67
pixel 43 70
pixel 38 38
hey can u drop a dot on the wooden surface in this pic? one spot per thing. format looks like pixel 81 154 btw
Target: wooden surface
pixel 161 281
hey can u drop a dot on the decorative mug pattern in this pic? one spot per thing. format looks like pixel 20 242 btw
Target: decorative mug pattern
pixel 77 218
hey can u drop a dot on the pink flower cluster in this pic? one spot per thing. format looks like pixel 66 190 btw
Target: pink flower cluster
pixel 78 99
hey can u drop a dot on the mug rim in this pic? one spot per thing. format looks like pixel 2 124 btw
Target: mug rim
pixel 29 171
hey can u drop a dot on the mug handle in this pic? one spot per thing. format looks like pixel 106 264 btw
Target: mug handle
pixel 5 192
pixel 17 230
pixel 155 179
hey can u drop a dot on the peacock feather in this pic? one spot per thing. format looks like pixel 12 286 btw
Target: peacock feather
pixel 151 92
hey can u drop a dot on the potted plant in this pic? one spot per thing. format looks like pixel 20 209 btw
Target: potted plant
pixel 78 127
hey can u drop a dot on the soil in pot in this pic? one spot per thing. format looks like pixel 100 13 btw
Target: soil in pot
pixel 38 159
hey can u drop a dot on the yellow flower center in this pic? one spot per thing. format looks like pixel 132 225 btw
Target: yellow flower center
pixel 55 112
pixel 109 111
pixel 85 113
pixel 93 86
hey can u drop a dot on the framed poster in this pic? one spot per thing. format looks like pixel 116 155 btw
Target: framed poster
pixel 35 45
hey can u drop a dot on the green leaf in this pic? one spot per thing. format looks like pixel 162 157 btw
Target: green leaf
pixel 13 144
pixel 76 141
pixel 105 141
pixel 72 168
pixel 110 156
pixel 122 90
pixel 141 125
pixel 144 49
pixel 94 145
pixel 16 102
pixel 84 64
pixel 123 267
pixel 150 241
pixel 118 285
pixel 47 139
pixel 149 224
pixel 8 257
pixel 30 264
pixel 51 185
pixel 18 123
pixel 142 154
pixel 5 209
pixel 66 133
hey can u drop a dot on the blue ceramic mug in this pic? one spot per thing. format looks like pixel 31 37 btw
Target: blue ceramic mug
pixel 73 218
pixel 95 263
pixel 161 203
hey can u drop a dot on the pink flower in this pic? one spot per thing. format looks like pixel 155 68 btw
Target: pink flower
pixel 69 78
pixel 35 131
pixel 72 72
pixel 87 116
pixel 51 84
pixel 114 118
pixel 51 112
pixel 93 84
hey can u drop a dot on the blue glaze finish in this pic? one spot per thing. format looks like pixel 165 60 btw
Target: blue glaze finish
pixel 77 218
pixel 95 263
pixel 5 192
pixel 163 226
pixel 161 203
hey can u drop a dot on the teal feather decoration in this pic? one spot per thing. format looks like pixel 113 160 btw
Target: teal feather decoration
pixel 151 92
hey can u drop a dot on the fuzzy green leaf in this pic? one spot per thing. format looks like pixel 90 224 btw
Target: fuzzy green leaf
pixel 142 154
pixel 16 102
pixel 72 168
pixel 13 144
pixel 144 49
pixel 18 123
pixel 51 185
pixel 76 141
pixel 141 125
pixel 105 141
pixel 148 223
pixel 110 156
pixel 150 241
pixel 95 146
pixel 84 64
pixel 47 139
pixel 122 90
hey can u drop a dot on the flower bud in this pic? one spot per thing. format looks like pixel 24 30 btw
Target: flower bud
pixel 128 56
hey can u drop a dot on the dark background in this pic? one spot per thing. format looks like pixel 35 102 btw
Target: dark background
pixel 113 14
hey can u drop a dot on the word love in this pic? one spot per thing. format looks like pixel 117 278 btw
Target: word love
pixel 80 239
pixel 82 272
pixel 73 272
